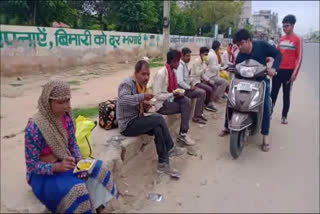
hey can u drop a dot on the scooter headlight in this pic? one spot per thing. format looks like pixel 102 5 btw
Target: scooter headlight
pixel 247 72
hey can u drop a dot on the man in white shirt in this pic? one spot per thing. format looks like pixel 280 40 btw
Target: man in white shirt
pixel 227 57
pixel 214 67
pixel 200 80
pixel 168 101
pixel 191 91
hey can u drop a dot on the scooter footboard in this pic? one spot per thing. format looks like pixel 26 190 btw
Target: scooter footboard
pixel 240 121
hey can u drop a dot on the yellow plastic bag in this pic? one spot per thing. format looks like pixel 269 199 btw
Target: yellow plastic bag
pixel 84 127
pixel 225 75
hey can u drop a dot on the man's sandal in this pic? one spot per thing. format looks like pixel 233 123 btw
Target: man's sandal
pixel 265 147
pixel 224 133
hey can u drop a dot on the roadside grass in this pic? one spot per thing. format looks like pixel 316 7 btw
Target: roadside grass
pixel 16 84
pixel 86 112
pixel 73 82
pixel 156 62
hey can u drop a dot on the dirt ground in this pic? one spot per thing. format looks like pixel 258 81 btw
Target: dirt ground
pixel 90 86
pixel 286 179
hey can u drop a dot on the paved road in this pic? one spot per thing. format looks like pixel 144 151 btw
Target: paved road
pixel 286 179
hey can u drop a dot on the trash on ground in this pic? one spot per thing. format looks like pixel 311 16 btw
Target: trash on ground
pixel 116 138
pixel 9 136
pixel 192 151
pixel 204 183
pixel 115 141
pixel 175 175
pixel 155 197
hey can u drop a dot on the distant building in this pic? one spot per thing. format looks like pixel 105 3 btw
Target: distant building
pixel 245 16
pixel 265 25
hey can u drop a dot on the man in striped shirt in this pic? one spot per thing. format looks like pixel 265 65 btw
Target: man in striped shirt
pixel 133 101
pixel 290 46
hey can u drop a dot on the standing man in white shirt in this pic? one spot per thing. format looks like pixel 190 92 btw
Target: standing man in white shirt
pixel 191 91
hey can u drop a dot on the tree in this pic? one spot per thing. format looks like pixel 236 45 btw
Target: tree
pixel 181 20
pixel 208 13
pixel 40 13
pixel 135 15
pixel 249 28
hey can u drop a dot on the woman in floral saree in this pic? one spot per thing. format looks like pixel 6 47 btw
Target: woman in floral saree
pixel 52 153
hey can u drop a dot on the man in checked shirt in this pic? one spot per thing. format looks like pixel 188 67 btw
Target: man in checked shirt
pixel 133 102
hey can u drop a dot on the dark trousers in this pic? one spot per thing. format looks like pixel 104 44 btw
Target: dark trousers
pixel 180 105
pixel 209 91
pixel 283 79
pixel 265 126
pixel 156 126
pixel 200 95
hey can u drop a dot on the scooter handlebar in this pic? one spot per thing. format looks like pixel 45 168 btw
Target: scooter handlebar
pixel 231 68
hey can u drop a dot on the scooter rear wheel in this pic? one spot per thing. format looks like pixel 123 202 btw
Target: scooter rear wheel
pixel 236 143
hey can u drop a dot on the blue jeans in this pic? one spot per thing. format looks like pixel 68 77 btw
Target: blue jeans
pixel 265 126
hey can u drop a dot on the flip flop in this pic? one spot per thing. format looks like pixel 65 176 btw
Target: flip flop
pixel 265 147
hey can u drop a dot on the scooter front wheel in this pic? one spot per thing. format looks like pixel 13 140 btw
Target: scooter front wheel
pixel 236 143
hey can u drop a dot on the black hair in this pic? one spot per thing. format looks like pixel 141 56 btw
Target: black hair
pixel 242 34
pixel 203 50
pixel 172 53
pixel 234 40
pixel 215 44
pixel 230 44
pixel 185 51
pixel 291 19
pixel 140 64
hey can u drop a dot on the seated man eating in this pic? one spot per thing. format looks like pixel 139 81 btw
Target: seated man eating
pixel 133 102
pixel 191 91
pixel 168 100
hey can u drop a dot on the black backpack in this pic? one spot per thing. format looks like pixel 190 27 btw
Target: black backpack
pixel 107 115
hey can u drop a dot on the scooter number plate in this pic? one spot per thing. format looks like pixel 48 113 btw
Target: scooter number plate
pixel 244 86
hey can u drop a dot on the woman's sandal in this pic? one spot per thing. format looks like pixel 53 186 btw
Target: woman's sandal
pixel 265 147
pixel 224 133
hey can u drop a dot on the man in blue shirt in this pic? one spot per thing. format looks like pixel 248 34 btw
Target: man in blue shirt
pixel 259 51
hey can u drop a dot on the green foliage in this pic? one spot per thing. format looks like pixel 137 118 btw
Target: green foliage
pixel 73 82
pixel 86 112
pixel 95 27
pixel 125 15
pixel 182 22
pixel 135 15
pixel 249 28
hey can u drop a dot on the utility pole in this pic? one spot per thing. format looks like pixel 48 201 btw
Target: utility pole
pixel 166 28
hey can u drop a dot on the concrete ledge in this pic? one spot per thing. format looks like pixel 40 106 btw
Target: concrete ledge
pixel 129 147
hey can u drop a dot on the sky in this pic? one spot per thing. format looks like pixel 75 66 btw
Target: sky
pixel 306 12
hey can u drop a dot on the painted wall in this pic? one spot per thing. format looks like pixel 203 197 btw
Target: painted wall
pixel 26 46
